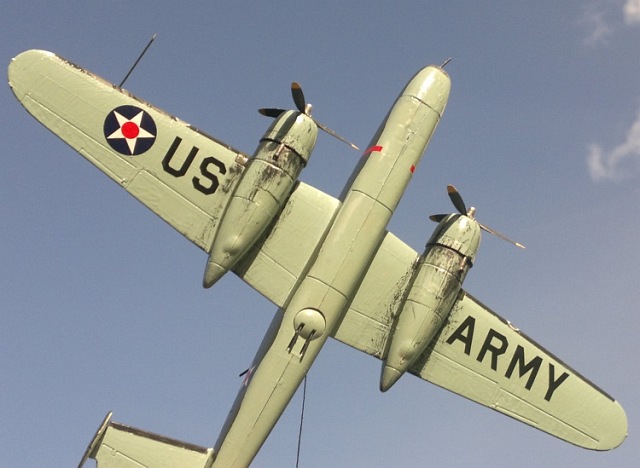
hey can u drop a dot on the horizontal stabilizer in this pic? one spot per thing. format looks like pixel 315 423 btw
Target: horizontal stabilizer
pixel 118 446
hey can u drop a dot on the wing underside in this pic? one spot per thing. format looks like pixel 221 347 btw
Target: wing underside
pixel 488 360
pixel 276 262
pixel 484 358
pixel 181 174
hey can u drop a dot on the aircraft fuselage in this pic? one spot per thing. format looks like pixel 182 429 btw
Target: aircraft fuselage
pixel 316 307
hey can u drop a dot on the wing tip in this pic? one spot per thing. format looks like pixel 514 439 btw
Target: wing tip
pixel 610 432
pixel 616 431
pixel 20 63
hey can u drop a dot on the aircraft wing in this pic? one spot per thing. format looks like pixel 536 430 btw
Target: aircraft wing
pixel 484 358
pixel 187 177
pixel 181 174
pixel 276 262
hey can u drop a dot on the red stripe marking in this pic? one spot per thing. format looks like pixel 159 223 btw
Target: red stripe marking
pixel 372 149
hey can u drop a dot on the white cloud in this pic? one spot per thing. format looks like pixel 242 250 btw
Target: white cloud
pixel 601 19
pixel 598 29
pixel 632 12
pixel 622 162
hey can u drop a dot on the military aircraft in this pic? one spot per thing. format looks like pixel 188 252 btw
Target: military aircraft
pixel 329 265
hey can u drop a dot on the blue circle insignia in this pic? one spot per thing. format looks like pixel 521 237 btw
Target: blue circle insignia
pixel 129 130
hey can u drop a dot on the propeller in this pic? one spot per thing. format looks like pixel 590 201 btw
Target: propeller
pixel 457 201
pixel 303 107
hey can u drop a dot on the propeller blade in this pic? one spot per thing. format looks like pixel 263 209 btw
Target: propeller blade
pixel 438 217
pixel 334 134
pixel 304 108
pixel 270 112
pixel 298 97
pixel 456 199
pixel 501 236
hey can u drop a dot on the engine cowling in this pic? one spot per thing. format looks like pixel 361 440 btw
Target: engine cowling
pixel 266 183
pixel 432 291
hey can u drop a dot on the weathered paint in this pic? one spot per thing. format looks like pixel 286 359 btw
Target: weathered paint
pixel 434 288
pixel 369 200
pixel 283 152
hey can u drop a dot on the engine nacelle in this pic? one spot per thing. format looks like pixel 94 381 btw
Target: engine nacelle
pixel 433 289
pixel 266 183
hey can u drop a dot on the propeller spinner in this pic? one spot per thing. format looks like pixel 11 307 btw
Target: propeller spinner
pixel 304 108
pixel 458 202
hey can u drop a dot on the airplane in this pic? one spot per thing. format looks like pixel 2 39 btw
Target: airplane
pixel 329 265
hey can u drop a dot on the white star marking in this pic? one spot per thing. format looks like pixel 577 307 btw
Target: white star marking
pixel 130 130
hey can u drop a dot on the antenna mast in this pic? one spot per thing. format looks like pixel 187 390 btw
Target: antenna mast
pixel 138 60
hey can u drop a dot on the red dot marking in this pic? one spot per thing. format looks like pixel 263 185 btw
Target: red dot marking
pixel 413 168
pixel 130 130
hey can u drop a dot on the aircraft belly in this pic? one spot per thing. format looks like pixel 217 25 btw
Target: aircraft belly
pixel 347 250
pixel 380 183
pixel 397 151
pixel 319 304
pixel 281 363
pixel 280 367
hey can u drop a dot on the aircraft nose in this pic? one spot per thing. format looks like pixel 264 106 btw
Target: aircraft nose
pixel 431 85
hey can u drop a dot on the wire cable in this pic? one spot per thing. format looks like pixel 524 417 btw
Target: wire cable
pixel 304 397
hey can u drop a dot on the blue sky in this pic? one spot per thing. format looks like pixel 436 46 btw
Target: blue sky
pixel 102 304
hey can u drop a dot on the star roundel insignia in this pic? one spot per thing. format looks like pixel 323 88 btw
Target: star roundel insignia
pixel 129 130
